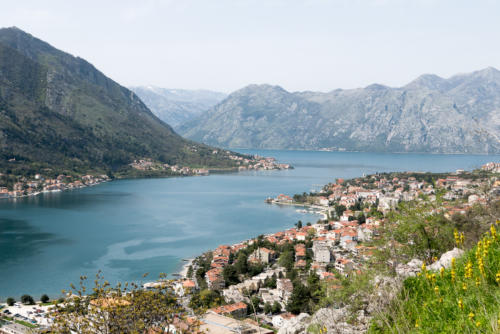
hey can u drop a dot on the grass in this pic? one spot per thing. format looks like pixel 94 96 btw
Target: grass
pixel 462 299
pixel 20 322
pixel 24 323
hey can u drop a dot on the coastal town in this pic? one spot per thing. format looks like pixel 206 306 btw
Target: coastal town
pixel 257 279
pixel 268 284
pixel 243 163
pixel 41 183
pixel 25 186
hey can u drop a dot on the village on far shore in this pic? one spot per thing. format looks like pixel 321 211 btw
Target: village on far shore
pixel 41 183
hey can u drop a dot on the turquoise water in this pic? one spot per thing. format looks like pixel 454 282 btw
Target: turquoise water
pixel 131 227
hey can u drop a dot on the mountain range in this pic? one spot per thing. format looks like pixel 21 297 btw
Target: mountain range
pixel 177 106
pixel 59 111
pixel 430 114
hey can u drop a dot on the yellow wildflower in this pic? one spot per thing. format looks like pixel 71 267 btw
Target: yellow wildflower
pixel 416 323
pixel 436 289
pixel 460 304
pixel 468 270
pixel 441 272
pixel 464 287
pixel 478 323
pixel 471 316
pixel 457 237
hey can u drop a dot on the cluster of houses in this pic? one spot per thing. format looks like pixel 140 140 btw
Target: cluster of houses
pixel 384 193
pixel 493 167
pixel 258 163
pixel 40 184
pixel 334 248
pixel 252 163
pixel 338 245
pixel 150 165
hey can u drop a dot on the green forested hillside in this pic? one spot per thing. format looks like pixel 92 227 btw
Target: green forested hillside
pixel 59 111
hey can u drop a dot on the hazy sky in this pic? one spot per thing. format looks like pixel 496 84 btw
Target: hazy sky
pixel 301 45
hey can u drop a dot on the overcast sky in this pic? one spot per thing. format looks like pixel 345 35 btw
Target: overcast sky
pixel 300 45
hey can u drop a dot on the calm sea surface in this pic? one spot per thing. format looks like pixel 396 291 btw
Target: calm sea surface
pixel 131 227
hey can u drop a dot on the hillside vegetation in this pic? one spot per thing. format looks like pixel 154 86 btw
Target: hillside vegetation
pixel 462 299
pixel 58 111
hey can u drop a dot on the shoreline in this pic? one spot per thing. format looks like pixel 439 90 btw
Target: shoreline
pixel 184 270
pixel 43 192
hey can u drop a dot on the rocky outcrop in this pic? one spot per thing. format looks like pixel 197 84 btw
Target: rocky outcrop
pixel 410 269
pixel 415 266
pixel 445 259
pixel 336 321
pixel 431 114
pixel 341 320
pixel 296 325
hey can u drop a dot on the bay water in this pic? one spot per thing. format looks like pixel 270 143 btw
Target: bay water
pixel 130 227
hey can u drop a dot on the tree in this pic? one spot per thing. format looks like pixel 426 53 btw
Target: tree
pixel 205 299
pixel 339 210
pixel 299 224
pixel 10 301
pixel 299 299
pixel 27 300
pixel 287 260
pixel 276 308
pixel 270 282
pixel 268 308
pixel 255 301
pixel 44 298
pixel 123 308
pixel 230 275
pixel 241 263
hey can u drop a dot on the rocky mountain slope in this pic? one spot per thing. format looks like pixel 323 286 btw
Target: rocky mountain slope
pixel 177 106
pixel 431 114
pixel 57 110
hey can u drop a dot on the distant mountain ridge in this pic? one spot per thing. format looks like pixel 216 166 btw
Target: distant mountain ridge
pixel 177 106
pixel 59 111
pixel 430 114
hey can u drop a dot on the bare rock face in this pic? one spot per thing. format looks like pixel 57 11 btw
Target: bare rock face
pixel 431 114
pixel 445 260
pixel 335 321
pixel 385 289
pixel 296 325
pixel 409 269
